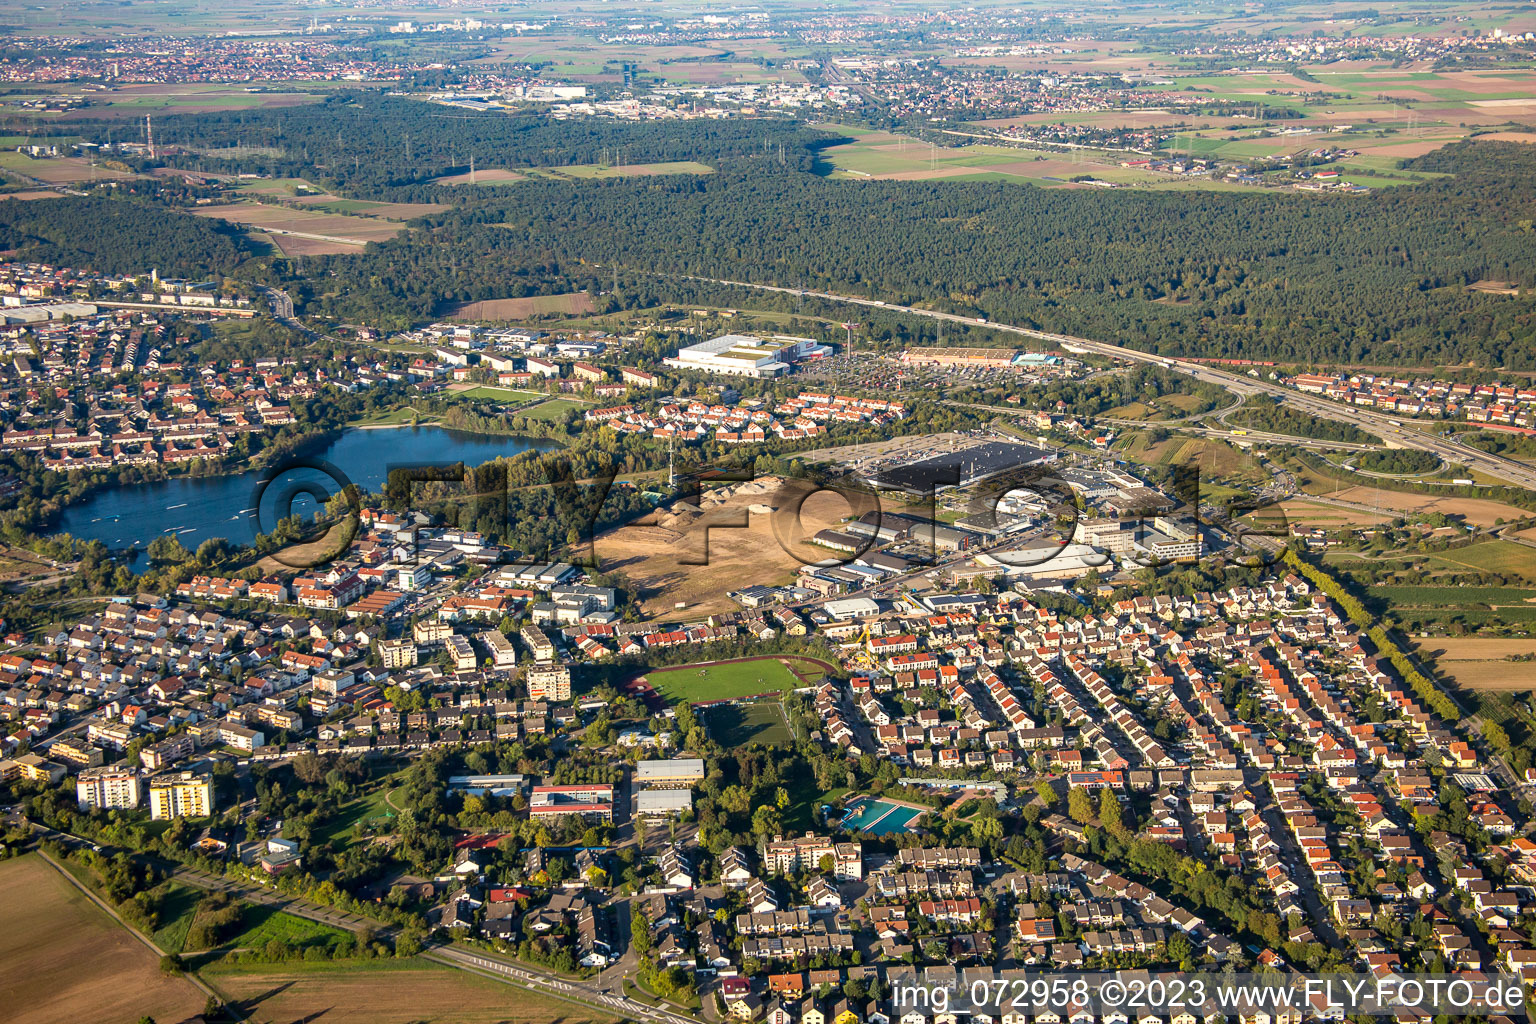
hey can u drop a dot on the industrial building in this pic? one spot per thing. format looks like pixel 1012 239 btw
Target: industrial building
pixel 962 468
pixel 742 355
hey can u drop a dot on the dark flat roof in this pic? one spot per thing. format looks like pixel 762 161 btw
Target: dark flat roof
pixel 962 469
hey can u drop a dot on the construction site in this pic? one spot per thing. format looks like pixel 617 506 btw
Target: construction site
pixel 688 557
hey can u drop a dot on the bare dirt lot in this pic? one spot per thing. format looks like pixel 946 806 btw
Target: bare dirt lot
pixel 482 176
pixel 65 960
pixel 19 563
pixel 1479 664
pixel 572 303
pixel 656 556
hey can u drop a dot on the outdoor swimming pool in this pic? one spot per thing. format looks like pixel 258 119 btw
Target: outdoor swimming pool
pixel 879 816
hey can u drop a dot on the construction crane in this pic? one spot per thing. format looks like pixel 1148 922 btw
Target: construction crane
pixel 861 655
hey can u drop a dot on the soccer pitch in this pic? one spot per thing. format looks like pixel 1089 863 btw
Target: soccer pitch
pixel 724 680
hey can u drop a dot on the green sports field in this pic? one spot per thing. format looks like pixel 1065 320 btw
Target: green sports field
pixel 724 681
pixel 502 394
pixel 737 725
pixel 553 409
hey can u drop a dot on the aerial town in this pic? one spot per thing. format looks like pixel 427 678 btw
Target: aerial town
pixel 791 515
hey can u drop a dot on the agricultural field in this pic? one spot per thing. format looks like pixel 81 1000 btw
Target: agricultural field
pixel 1497 556
pixel 1327 517
pixel 568 304
pixel 278 188
pixel 1435 608
pixel 728 680
pixel 889 157
pixel 1473 511
pixel 66 959
pixel 482 176
pixel 605 171
pixel 369 208
pixel 736 725
pixel 59 170
pixel 138 100
pixel 1475 663
pixel 1364 95
pixel 1161 409
pixel 579 58
pixel 302 232
pixel 384 992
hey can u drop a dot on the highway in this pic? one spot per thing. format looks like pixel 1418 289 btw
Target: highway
pixel 1509 470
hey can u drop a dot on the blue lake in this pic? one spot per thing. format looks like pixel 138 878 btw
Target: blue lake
pixel 239 507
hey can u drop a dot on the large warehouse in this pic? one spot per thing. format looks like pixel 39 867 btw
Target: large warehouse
pixel 962 468
pixel 742 355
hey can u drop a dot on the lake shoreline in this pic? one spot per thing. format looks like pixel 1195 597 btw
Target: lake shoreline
pixel 238 506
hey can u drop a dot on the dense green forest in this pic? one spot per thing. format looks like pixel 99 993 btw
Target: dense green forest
pixel 118 237
pixel 1254 274
pixel 1262 275
pixel 394 147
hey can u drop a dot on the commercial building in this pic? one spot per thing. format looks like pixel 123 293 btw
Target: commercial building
pixel 963 468
pixel 852 608
pixel 180 795
pixel 114 788
pixel 742 355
